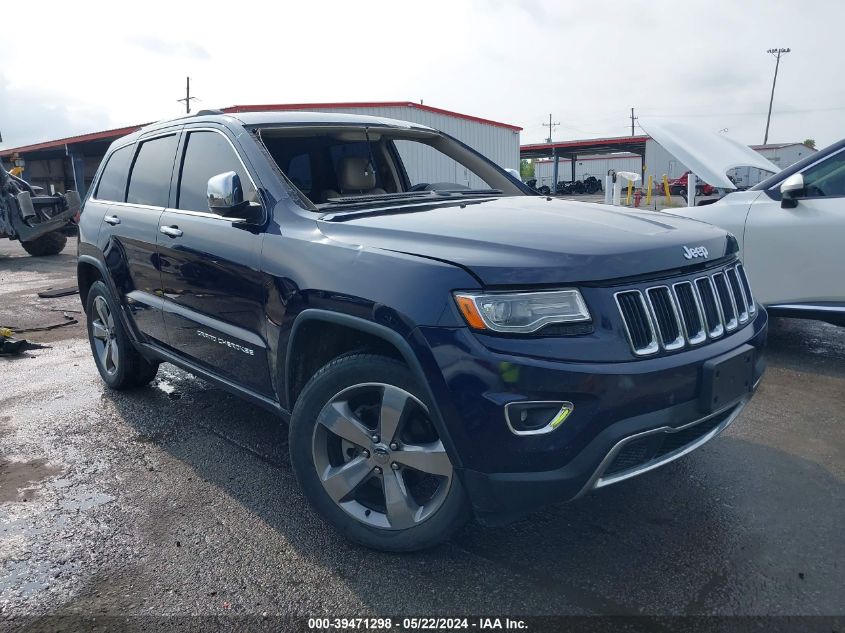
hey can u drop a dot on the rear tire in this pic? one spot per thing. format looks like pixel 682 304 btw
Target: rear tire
pixel 48 244
pixel 369 460
pixel 119 363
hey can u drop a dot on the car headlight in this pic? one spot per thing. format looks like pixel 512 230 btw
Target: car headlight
pixel 521 312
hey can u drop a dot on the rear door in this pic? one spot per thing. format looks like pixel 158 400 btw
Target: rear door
pixel 796 254
pixel 214 292
pixel 129 227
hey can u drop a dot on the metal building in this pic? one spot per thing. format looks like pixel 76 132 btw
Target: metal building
pixel 639 154
pixel 781 154
pixel 70 163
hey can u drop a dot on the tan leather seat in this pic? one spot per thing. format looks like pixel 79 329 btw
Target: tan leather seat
pixel 355 177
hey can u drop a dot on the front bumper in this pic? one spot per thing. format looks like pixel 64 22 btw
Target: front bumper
pixel 629 418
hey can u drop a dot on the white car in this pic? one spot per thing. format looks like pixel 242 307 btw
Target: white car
pixel 790 227
pixel 791 230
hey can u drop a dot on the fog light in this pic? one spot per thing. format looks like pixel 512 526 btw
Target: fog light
pixel 536 417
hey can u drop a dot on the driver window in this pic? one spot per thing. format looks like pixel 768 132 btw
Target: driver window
pixel 208 154
pixel 827 179
pixel 427 166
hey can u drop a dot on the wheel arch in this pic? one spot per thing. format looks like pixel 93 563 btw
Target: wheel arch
pixel 382 340
pixel 88 270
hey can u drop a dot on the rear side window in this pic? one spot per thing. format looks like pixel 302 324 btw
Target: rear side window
pixel 208 154
pixel 149 182
pixel 112 185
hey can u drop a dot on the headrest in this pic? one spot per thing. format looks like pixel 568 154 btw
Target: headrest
pixel 355 173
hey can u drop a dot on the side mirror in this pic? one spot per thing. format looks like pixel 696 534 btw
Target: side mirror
pixel 226 198
pixel 791 190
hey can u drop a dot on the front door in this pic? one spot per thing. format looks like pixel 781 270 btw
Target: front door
pixel 214 293
pixel 801 249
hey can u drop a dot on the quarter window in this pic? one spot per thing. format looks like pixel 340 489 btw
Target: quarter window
pixel 112 185
pixel 208 154
pixel 149 183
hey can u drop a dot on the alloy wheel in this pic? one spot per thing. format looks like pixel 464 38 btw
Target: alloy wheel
pixel 105 338
pixel 379 457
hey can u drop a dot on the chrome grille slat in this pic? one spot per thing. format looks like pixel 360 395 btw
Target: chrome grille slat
pixel 691 311
pixel 746 288
pixel 638 323
pixel 665 317
pixel 738 294
pixel 726 302
pixel 710 304
pixel 686 313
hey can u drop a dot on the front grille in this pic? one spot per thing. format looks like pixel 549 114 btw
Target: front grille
pixel 686 314
pixel 640 453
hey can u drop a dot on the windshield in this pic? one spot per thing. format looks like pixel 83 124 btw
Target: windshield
pixel 337 166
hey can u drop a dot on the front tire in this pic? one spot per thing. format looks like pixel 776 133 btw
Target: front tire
pixel 48 244
pixel 119 363
pixel 369 459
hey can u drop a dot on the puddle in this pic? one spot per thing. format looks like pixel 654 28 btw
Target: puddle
pixel 87 502
pixel 165 386
pixel 17 479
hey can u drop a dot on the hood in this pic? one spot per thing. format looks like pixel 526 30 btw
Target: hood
pixel 522 240
pixel 707 154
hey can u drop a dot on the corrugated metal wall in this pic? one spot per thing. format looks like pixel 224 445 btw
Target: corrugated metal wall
pixel 587 166
pixel 499 144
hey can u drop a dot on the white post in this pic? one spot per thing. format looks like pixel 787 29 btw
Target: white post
pixel 617 191
pixel 691 190
pixel 608 189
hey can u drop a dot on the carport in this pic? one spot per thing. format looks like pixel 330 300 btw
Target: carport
pixel 572 149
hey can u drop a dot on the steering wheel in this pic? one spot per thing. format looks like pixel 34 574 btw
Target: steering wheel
pixel 420 186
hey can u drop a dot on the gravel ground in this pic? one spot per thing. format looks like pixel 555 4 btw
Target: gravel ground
pixel 178 499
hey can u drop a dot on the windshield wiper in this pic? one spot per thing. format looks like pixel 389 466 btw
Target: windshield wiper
pixel 405 195
pixel 468 192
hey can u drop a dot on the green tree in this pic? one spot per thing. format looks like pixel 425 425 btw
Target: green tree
pixel 526 169
pixel 810 142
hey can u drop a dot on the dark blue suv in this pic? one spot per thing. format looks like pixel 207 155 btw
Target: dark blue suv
pixel 444 342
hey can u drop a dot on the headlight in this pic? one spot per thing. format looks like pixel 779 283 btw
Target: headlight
pixel 521 312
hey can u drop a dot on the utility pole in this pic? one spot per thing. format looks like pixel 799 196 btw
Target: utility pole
pixel 633 118
pixel 551 127
pixel 188 98
pixel 778 53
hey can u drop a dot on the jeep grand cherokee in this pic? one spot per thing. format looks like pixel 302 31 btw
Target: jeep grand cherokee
pixel 443 342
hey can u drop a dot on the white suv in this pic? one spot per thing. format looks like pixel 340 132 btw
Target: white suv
pixel 791 229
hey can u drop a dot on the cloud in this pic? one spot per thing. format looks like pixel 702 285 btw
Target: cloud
pixel 170 48
pixel 32 115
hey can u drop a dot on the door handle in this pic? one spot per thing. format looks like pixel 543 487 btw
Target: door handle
pixel 111 219
pixel 170 231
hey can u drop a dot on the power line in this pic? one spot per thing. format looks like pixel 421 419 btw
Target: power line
pixel 754 113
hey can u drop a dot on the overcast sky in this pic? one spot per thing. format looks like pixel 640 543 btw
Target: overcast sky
pixel 87 66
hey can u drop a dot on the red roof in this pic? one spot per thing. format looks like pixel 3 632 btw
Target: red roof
pixel 94 136
pixel 616 140
pixel 116 133
pixel 365 104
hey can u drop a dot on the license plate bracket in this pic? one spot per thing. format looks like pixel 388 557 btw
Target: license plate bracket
pixel 727 378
